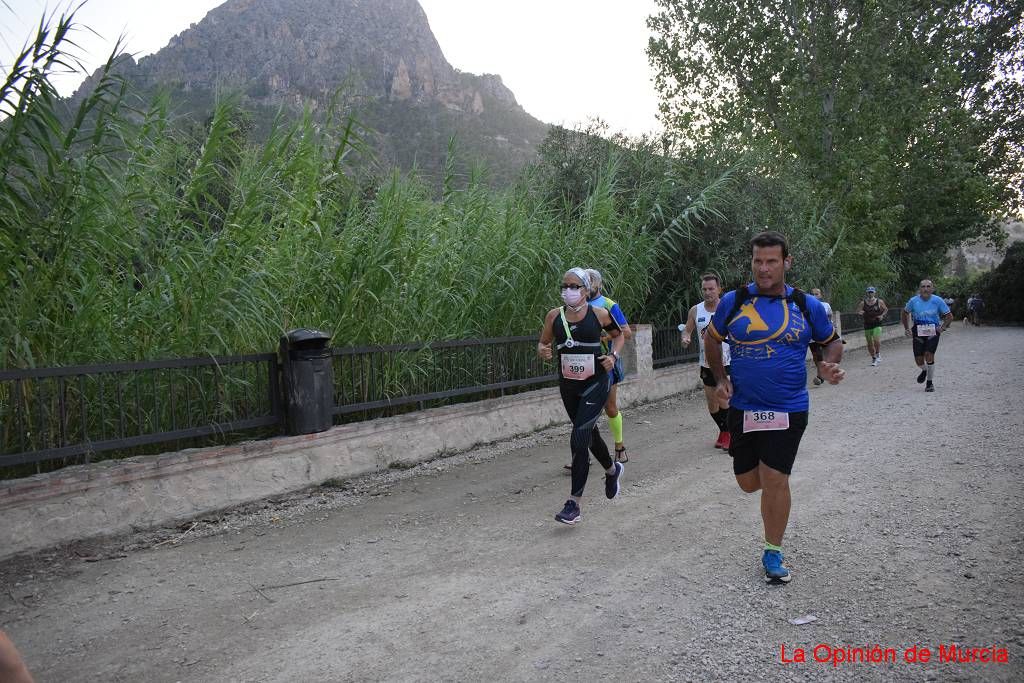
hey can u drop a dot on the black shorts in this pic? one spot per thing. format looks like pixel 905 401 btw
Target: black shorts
pixel 776 449
pixel 923 345
pixel 708 377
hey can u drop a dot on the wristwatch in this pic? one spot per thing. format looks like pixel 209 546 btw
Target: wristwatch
pixel 616 355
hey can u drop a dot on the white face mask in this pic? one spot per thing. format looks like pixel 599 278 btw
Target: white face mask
pixel 572 297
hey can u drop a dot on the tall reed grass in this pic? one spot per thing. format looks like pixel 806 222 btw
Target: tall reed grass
pixel 128 234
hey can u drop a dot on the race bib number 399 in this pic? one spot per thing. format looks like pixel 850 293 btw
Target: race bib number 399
pixel 764 421
pixel 578 366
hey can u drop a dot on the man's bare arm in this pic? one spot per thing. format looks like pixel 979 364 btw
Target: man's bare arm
pixel 691 325
pixel 828 368
pixel 833 352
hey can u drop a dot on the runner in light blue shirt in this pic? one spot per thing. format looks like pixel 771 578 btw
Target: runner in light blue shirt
pixel 924 318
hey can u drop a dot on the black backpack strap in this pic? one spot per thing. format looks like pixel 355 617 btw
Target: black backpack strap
pixel 799 297
pixel 740 296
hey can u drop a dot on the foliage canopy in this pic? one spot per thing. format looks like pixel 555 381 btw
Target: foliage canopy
pixel 904 117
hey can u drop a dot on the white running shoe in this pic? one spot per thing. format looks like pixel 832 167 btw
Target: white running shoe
pixel 874 362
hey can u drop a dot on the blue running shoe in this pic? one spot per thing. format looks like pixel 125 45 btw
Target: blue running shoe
pixel 570 514
pixel 774 572
pixel 611 481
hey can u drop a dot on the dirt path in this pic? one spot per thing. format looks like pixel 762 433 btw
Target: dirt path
pixel 906 530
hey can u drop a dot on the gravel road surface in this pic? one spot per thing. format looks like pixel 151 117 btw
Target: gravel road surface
pixel 906 533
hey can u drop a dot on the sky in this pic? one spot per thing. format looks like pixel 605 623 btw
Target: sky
pixel 566 61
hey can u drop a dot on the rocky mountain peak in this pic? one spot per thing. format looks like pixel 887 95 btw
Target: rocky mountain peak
pixel 275 49
pixel 379 54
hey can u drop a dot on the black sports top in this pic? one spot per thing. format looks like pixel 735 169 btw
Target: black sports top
pixel 586 338
pixel 872 314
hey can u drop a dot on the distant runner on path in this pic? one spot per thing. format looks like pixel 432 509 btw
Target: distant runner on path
pixel 873 310
pixel 924 318
pixel 975 305
pixel 698 319
pixel 828 307
pixel 769 326
pixel 584 379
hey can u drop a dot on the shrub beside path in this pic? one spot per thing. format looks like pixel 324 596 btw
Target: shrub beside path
pixel 906 531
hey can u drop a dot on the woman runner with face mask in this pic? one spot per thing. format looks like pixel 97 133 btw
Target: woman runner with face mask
pixel 584 380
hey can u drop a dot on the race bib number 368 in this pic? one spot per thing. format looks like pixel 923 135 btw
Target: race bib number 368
pixel 764 421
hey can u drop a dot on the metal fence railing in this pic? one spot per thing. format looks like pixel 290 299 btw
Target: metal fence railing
pixel 667 347
pixel 65 416
pixel 415 376
pixel 72 413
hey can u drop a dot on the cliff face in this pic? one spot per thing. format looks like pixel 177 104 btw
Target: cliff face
pixel 977 256
pixel 380 53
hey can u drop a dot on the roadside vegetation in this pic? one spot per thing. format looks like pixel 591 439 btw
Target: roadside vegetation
pixel 898 124
pixel 128 232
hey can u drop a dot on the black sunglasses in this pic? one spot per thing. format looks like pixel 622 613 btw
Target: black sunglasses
pixel 565 286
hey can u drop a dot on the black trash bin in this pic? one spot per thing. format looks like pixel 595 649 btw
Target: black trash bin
pixel 308 378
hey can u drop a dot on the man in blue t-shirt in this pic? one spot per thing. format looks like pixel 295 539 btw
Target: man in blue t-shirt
pixel 769 330
pixel 925 317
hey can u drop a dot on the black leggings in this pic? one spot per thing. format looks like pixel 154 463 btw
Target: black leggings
pixel 584 402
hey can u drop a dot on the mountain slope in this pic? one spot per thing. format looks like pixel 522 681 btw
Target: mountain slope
pixel 379 54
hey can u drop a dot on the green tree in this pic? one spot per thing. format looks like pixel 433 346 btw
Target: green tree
pixel 999 287
pixel 903 116
pixel 700 211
